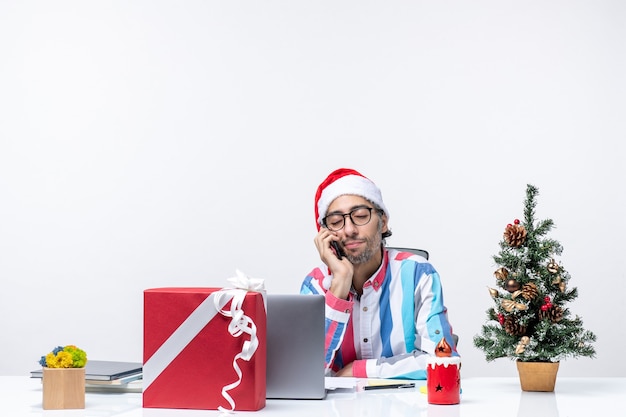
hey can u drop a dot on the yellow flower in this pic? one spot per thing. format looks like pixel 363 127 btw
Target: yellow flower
pixel 61 360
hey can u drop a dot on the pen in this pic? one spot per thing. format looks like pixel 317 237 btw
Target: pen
pixel 389 386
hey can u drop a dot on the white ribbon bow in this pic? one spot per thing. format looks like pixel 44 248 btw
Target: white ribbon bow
pixel 246 283
pixel 239 324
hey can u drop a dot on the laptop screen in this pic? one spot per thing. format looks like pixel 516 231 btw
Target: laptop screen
pixel 295 346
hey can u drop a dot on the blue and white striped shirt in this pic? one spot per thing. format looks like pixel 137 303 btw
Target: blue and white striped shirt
pixel 393 327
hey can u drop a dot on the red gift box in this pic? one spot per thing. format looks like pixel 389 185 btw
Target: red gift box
pixel 189 352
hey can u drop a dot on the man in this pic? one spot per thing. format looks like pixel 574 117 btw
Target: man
pixel 384 308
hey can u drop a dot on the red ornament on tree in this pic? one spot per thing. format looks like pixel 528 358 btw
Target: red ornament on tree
pixel 516 221
pixel 546 307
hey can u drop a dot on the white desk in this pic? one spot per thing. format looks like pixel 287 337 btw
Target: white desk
pixel 482 397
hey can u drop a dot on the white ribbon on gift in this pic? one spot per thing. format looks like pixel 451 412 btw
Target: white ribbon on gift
pixel 239 324
pixel 197 320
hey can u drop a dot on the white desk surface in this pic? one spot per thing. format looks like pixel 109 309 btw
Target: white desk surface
pixel 482 397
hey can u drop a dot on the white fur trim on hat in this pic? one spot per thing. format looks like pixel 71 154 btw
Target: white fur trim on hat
pixel 353 185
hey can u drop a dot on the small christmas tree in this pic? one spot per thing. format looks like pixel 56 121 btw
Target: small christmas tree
pixel 530 321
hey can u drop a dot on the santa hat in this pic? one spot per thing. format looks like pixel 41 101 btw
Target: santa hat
pixel 341 182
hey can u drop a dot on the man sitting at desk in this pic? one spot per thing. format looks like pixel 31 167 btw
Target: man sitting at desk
pixel 384 308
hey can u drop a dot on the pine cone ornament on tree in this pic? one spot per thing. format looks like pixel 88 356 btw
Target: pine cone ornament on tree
pixel 515 235
pixel 513 327
pixel 529 291
pixel 552 313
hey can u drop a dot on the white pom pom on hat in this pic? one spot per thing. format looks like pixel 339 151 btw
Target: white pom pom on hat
pixel 345 181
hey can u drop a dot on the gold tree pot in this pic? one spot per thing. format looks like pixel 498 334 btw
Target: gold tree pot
pixel 537 376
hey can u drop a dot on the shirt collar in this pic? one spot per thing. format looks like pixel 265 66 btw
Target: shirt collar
pixel 376 280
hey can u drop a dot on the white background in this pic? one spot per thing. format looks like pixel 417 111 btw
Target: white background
pixel 167 143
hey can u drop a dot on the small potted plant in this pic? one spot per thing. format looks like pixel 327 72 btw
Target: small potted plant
pixel 530 322
pixel 64 378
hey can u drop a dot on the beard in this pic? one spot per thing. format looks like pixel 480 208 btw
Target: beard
pixel 371 248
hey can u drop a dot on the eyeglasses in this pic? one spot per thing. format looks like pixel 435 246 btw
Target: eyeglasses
pixel 360 216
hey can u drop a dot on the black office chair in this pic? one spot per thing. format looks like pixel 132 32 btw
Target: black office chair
pixel 423 253
pixel 420 252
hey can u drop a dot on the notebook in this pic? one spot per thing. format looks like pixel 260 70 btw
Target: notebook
pixel 106 370
pixel 295 346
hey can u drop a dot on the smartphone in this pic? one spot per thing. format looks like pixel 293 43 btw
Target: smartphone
pixel 338 251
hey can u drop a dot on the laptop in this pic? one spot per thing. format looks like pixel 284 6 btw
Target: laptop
pixel 295 346
pixel 97 370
